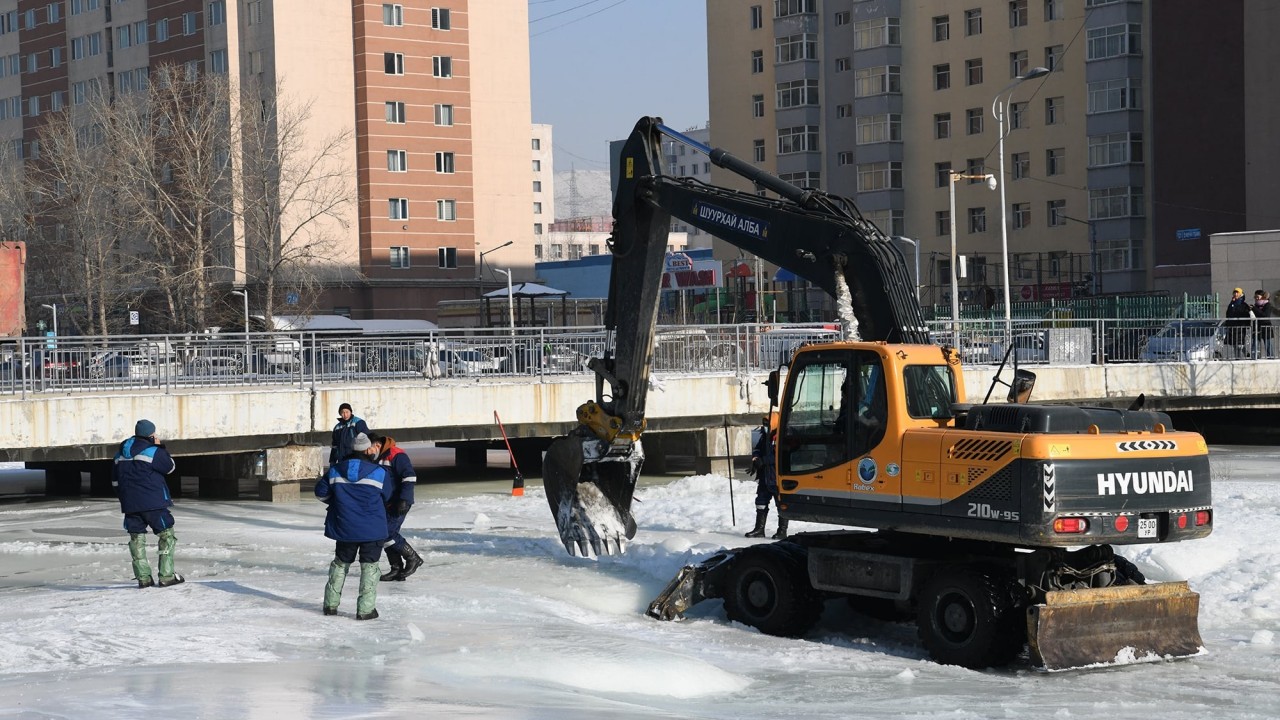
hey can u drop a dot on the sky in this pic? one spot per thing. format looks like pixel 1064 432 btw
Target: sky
pixel 599 65
pixel 501 623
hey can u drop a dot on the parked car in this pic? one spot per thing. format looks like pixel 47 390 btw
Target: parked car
pixel 1188 341
pixel 455 361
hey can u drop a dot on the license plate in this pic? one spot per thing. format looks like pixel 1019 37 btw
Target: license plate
pixel 1148 527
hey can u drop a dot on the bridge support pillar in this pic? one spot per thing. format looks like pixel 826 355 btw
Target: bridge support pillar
pixel 284 470
pixel 714 456
pixel 63 479
pixel 100 479
pixel 655 454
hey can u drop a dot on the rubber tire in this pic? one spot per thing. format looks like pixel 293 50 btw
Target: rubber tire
pixel 968 616
pixel 768 589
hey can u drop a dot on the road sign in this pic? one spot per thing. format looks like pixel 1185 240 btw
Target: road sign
pixel 133 317
pixel 1189 234
pixel 291 298
pixel 678 261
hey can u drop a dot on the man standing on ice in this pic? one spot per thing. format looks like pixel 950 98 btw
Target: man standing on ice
pixel 356 489
pixel 138 479
pixel 404 560
pixel 348 426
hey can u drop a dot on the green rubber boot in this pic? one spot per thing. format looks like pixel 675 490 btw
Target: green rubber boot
pixel 366 605
pixel 138 551
pixel 333 588
pixel 168 541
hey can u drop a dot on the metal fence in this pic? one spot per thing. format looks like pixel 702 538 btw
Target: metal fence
pixel 163 362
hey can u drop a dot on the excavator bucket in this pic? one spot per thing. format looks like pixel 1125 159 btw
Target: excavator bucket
pixel 1118 624
pixel 589 492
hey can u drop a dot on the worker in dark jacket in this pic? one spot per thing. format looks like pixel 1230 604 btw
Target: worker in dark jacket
pixel 357 490
pixel 765 470
pixel 138 479
pixel 404 560
pixel 1239 313
pixel 344 432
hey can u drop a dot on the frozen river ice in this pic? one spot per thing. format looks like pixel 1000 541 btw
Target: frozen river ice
pixel 501 623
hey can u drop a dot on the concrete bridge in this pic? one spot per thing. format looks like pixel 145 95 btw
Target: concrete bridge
pixel 277 436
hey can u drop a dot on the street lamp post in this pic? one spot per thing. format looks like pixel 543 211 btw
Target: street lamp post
pixel 998 112
pixel 54 308
pixel 245 294
pixel 916 246
pixel 480 265
pixel 511 313
pixel 955 290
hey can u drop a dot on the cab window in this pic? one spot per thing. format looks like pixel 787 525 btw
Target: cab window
pixel 930 391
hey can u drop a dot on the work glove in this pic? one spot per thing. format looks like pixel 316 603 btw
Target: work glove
pixel 755 467
pixel 401 507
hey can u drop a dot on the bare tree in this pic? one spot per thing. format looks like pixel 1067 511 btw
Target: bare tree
pixel 294 194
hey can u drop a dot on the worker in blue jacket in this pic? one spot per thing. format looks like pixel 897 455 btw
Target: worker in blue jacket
pixel 344 432
pixel 356 489
pixel 404 560
pixel 138 479
pixel 763 467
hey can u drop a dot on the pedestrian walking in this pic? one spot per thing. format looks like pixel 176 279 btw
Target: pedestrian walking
pixel 356 490
pixel 1237 323
pixel 138 479
pixel 344 432
pixel 404 560
pixel 1263 332
pixel 764 469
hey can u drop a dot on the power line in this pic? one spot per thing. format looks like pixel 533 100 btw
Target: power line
pixel 584 17
pixel 562 12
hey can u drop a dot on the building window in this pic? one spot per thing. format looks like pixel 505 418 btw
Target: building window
pixel 942 126
pixel 537 208
pixel 440 19
pixel 757 106
pixel 448 258
pixel 395 112
pixel 787 8
pixel 797 93
pixel 976 168
pixel 844 110
pixel 397 160
pixel 218 62
pixel 1053 10
pixel 217 13
pixel 757 17
pixel 1113 41
pixel 444 163
pixel 1017 13
pixel 1021 216
pixel 1017 115
pixel 1115 149
pixel 757 150
pixel 942 28
pixel 33 63
pixel 973 71
pixel 977 220
pixel 162 31
pixel 444 115
pixel 393 63
pixel 392 15
pixel 941 174
pixel 842 64
pixel 1055 161
pixel 124 36
pixel 844 157
pixel 803 138
pixel 1018 63
pixel 1053 57
pixel 398 209
pixel 793 48
pixel 942 222
pixel 757 62
pixel 1056 213
pixel 253 12
pixel 256 62
pixel 537 143
pixel 942 76
pixel 877 80
pixel 879 128
pixel 1116 202
pixel 879 176
pixel 973 120
pixel 973 22
pixel 53 12
pixel 876 33
pixel 442 66
pixel 537 230
pixel 447 210
pixel 190 23
pixel 1021 165
pixel 1114 254
pixel 1112 95
pixel 537 166
pixel 33 106
pixel 400 257
pixel 57 99
pixel 1053 110
pixel 537 186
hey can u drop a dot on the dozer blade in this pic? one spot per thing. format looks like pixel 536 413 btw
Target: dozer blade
pixel 690 586
pixel 590 494
pixel 1119 624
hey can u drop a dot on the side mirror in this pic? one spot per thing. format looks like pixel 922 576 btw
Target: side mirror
pixel 772 385
pixel 1024 381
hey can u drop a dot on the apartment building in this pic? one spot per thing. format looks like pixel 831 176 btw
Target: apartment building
pixel 883 101
pixel 436 94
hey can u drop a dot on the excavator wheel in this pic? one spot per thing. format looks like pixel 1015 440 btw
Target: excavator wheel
pixel 768 588
pixel 970 616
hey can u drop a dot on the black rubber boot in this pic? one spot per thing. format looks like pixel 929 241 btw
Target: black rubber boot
pixel 397 566
pixel 758 530
pixel 782 530
pixel 412 561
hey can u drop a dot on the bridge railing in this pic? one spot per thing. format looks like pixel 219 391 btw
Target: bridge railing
pixel 165 362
